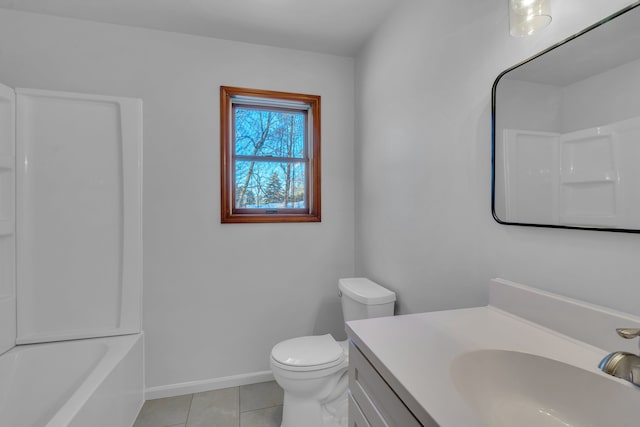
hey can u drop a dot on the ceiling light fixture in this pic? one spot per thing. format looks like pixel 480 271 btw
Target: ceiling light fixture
pixel 528 16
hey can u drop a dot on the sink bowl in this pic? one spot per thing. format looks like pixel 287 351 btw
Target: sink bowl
pixel 509 388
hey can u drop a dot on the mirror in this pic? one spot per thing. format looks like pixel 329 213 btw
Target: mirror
pixel 566 132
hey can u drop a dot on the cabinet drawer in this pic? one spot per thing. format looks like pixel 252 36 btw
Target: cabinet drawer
pixel 378 402
pixel 356 417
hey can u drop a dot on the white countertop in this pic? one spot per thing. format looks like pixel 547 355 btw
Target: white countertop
pixel 414 353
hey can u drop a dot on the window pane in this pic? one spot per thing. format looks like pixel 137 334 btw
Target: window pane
pixel 270 185
pixel 260 132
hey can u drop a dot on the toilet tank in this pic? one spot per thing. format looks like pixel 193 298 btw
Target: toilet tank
pixel 363 299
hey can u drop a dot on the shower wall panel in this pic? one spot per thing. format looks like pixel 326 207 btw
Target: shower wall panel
pixel 7 228
pixel 79 213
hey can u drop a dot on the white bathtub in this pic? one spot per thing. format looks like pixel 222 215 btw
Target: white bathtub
pixel 83 383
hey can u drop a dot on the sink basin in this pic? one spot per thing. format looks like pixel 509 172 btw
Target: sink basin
pixel 509 388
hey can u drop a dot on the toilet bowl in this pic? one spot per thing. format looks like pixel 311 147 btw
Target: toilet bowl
pixel 312 370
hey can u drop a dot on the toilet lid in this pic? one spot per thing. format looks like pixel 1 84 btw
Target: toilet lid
pixel 307 351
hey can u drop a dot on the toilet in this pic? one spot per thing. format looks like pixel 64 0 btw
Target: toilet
pixel 312 370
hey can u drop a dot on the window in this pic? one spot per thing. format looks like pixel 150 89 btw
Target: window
pixel 270 156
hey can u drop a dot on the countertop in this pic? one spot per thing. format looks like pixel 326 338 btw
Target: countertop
pixel 414 352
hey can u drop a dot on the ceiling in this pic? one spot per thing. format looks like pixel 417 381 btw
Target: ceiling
pixel 338 27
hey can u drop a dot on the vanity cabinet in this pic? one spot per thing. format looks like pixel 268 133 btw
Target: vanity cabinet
pixel 372 402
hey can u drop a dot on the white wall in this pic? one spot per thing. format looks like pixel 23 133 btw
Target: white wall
pixel 528 106
pixel 609 89
pixel 424 225
pixel 216 297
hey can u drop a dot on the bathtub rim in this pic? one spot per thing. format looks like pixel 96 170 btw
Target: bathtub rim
pixel 118 347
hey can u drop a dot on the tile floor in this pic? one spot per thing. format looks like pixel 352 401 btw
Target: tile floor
pixel 254 405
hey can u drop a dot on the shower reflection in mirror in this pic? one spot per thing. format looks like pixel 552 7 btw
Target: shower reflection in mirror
pixel 567 132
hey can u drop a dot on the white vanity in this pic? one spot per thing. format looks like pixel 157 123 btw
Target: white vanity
pixel 529 358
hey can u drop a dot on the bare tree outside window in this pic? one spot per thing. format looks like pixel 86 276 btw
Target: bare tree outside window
pixel 271 155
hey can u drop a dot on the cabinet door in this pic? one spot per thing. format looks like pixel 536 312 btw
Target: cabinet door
pixel 379 403
pixel 356 417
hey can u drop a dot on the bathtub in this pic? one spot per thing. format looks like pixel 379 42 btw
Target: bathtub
pixel 83 383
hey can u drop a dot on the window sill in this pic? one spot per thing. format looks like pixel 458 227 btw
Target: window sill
pixel 271 218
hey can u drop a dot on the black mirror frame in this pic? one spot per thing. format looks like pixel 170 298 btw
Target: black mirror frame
pixel 493 127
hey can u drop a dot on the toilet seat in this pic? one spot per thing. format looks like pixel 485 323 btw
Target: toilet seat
pixel 309 353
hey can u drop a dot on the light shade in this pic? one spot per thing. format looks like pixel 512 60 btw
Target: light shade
pixel 528 16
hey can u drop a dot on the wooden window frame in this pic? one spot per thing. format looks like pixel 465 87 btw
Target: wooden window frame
pixel 229 213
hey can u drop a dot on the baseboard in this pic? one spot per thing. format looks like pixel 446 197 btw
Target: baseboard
pixel 189 387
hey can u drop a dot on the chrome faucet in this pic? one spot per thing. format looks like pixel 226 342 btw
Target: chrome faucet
pixel 622 364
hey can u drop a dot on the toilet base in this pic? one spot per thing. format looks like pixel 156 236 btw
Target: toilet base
pixel 308 413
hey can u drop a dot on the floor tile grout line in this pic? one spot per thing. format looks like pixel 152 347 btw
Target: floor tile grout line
pixel 186 422
pixel 260 409
pixel 238 405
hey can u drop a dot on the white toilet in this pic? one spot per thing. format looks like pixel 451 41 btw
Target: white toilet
pixel 312 370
